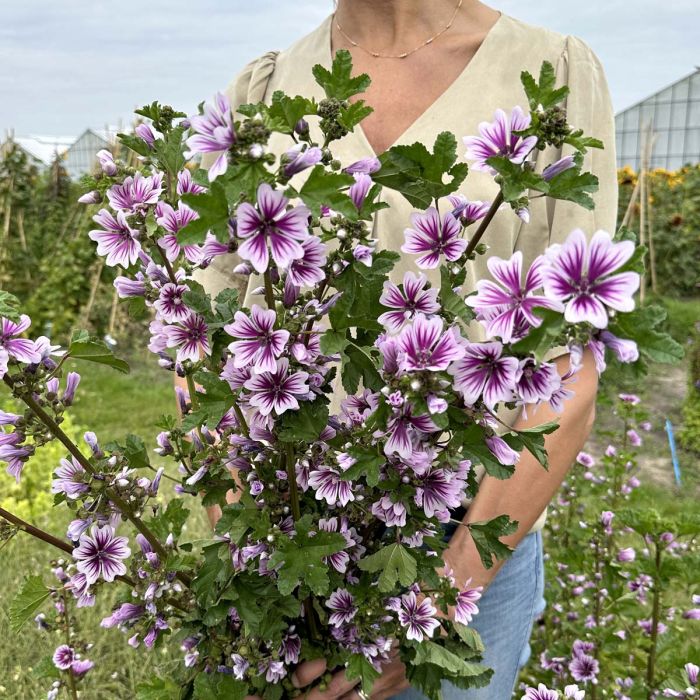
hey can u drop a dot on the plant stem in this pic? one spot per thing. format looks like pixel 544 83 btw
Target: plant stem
pixel 66 629
pixel 44 536
pixel 122 505
pixel 656 609
pixel 241 420
pixel 269 296
pixel 292 480
pixel 192 390
pixel 484 224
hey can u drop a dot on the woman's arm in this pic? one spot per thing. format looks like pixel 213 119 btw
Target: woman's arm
pixel 525 495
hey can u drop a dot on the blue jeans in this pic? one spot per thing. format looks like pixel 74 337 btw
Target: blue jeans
pixel 507 611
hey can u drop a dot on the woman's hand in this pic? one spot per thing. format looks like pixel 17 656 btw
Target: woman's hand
pixel 392 681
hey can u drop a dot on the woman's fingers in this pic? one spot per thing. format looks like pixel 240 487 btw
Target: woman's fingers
pixel 337 687
pixel 308 672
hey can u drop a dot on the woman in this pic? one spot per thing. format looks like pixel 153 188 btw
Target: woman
pixel 448 65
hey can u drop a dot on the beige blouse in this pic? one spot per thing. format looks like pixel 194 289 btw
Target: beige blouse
pixel 490 80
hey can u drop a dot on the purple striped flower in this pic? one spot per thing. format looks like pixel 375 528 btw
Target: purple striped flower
pixel 299 157
pixel 497 139
pixel 359 189
pixel 106 161
pixel 407 301
pixel 418 618
pixel 466 211
pixel 430 238
pixel 290 647
pixel 189 337
pixel 124 614
pixel 484 373
pixel 364 165
pixel 145 132
pixel 214 133
pixel 506 306
pixel 558 167
pixel 4 358
pixel 13 453
pixel 186 185
pixel 403 427
pixel 583 276
pixel 307 270
pixel 542 692
pixel 170 305
pixel 439 491
pixel 330 486
pixel 260 344
pixel 425 346
pixel 63 657
pixel 20 349
pixel 277 391
pixel 271 224
pixel 625 350
pixel 70 479
pixel 100 554
pixel 390 512
pixel 116 239
pixel 536 383
pixel 136 193
pixel 584 667
pixel 466 607
pixel 501 450
pixel 173 220
pixel 342 603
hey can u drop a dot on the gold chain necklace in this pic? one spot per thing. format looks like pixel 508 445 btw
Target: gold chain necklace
pixel 376 54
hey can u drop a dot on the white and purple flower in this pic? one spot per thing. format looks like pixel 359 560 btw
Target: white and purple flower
pixel 342 603
pixel 432 238
pixel 214 133
pixel 277 391
pixel 271 225
pixel 417 617
pixel 116 239
pixel 259 345
pixel 424 345
pixel 583 277
pixel 497 139
pixel 100 554
pixel 410 299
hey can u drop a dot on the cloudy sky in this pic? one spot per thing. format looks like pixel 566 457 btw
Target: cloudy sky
pixel 71 64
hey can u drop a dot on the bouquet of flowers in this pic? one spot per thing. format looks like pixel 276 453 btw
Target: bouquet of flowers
pixel 332 545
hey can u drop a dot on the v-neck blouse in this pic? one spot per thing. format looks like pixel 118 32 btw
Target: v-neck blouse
pixel 490 80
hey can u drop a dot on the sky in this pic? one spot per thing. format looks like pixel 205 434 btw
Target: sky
pixel 72 64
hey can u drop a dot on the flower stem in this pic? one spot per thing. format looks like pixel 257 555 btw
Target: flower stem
pixel 120 503
pixel 292 480
pixel 47 537
pixel 241 420
pixel 656 610
pixel 484 224
pixel 66 629
pixel 269 296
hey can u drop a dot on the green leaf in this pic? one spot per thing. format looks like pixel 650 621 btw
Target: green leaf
pixel 428 652
pixel 640 325
pixel 29 599
pixel 218 686
pixel 470 437
pixel 533 440
pixel 135 452
pixel 322 187
pixel 359 366
pixel 469 636
pixel 9 306
pixel 352 115
pixel 359 667
pixel 168 150
pixel 158 689
pixel 304 424
pixel 333 342
pixel 136 144
pixel 237 519
pixel 369 463
pixel 396 564
pixel 486 535
pixel 300 559
pixel 338 83
pixel 46 669
pixel 452 302
pixel 574 186
pixel 83 347
pixel 213 404
pixel 212 208
pixel 516 179
pixel 543 92
pixel 539 340
pixel 289 110
pixel 419 174
pixel 170 520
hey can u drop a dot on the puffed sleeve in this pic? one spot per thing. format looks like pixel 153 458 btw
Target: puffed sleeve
pixel 248 86
pixel 588 107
